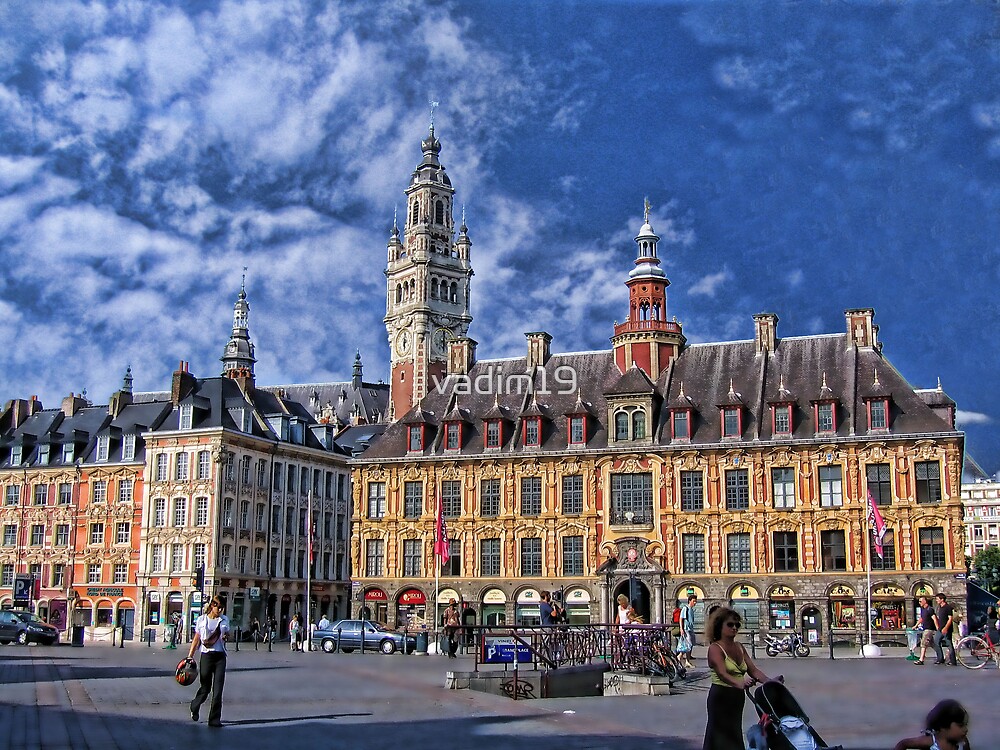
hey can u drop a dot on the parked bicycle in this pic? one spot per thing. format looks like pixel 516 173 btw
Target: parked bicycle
pixel 976 651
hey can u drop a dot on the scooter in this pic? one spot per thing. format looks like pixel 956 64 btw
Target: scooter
pixel 791 643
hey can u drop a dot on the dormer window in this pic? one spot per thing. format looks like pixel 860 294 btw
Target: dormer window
pixel 16 452
pixel 638 424
pixel 732 422
pixel 186 416
pixel 43 455
pixel 577 430
pixel 680 424
pixel 621 425
pixel 532 431
pixel 68 453
pixel 103 442
pixel 630 424
pixel 781 419
pixel 453 436
pixel 416 437
pixel 128 448
pixel 494 433
pixel 826 417
pixel 878 414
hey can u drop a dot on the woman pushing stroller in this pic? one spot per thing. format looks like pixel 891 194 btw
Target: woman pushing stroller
pixel 733 671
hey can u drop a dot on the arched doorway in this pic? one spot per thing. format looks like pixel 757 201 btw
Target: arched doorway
pixel 494 607
pixel 638 595
pixel 812 624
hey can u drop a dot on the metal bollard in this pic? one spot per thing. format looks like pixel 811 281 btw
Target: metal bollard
pixel 338 639
pixel 270 637
pixel 237 637
pixel 829 639
pixel 123 638
pixel 753 644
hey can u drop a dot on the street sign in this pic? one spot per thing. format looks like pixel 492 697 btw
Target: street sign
pixel 960 576
pixel 500 650
pixel 255 592
pixel 23 586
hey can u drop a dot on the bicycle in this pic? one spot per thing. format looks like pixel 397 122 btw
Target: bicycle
pixel 976 651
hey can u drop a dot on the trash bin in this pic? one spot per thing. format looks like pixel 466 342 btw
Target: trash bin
pixel 78 635
pixel 421 647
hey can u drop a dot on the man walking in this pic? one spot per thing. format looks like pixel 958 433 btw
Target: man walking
pixel 928 628
pixel 686 648
pixel 944 620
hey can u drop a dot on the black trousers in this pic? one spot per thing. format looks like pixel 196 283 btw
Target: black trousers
pixel 212 671
pixel 724 730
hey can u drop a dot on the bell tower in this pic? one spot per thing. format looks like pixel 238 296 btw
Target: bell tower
pixel 427 283
pixel 238 358
pixel 647 338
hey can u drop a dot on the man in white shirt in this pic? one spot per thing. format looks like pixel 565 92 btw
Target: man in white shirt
pixel 323 624
pixel 210 631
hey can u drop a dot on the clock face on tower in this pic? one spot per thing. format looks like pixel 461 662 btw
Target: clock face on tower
pixel 440 340
pixel 403 343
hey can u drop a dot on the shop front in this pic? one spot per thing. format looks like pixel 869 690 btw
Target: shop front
pixel 843 612
pixel 701 611
pixel 376 606
pixel 577 603
pixel 494 607
pixel 526 611
pixel 888 607
pixel 411 610
pixel 745 599
pixel 781 608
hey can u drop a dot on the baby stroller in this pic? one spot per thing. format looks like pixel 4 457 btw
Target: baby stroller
pixel 783 724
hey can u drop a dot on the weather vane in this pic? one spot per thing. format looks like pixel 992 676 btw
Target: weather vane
pixel 645 205
pixel 434 105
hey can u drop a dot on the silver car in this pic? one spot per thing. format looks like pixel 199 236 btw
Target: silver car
pixel 349 634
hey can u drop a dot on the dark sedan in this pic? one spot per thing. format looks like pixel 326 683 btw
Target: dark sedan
pixel 25 627
pixel 348 635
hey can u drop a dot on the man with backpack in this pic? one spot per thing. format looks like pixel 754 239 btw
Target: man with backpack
pixel 675 627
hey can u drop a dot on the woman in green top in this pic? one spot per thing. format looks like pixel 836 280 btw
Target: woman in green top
pixel 732 672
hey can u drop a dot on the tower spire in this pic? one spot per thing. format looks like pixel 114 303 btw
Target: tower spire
pixel 238 358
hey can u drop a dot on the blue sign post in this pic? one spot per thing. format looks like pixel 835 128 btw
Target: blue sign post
pixel 500 650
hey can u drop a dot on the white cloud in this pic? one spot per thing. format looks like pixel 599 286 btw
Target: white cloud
pixel 963 417
pixel 795 278
pixel 709 285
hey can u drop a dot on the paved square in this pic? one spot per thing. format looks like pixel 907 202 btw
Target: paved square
pixel 101 697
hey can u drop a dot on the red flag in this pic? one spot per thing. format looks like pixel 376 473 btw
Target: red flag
pixel 876 524
pixel 441 545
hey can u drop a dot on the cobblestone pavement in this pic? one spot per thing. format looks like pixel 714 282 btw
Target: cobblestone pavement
pixel 108 698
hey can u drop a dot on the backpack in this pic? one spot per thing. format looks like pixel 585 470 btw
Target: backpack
pixel 677 615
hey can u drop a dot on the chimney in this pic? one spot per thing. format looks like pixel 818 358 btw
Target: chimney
pixel 461 356
pixel 861 330
pixel 538 348
pixel 765 332
pixel 17 410
pixel 72 404
pixel 182 384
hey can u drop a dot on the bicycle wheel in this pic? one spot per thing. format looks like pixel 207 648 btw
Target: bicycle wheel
pixel 973 652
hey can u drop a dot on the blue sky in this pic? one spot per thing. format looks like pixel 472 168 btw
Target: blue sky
pixel 800 158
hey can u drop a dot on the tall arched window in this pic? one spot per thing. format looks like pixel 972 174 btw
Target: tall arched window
pixel 454 291
pixel 644 311
pixel 656 311
pixel 434 288
pixel 621 425
pixel 638 425
pixel 439 212
pixel 399 293
pixel 414 212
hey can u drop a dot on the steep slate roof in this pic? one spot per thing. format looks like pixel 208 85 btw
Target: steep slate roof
pixel 706 371
pixel 324 400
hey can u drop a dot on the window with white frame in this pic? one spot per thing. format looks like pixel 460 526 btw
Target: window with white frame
pixel 831 486
pixel 245 469
pixel 128 447
pixel 156 557
pixel 227 512
pixel 204 464
pixel 123 532
pixel 176 558
pixel 121 573
pixel 200 556
pixel 58 575
pixel 99 491
pixel 226 557
pixel 62 535
pixel 103 444
pixel 261 517
pixel 160 511
pixel 43 454
pixel 65 493
pixel 97 533
pixel 180 511
pixel 374 557
pixel 244 514
pixel 68 453
pixel 94 573
pixel 7 575
pixel 162 461
pixel 201 511
pixel 41 494
pixel 376 499
pixel 181 467
pixel 783 486
pixel 9 534
pixel 261 472
pixel 258 561
pixel 125 487
pixel 186 416
pixel 13 494
pixel 37 534
pixel 241 559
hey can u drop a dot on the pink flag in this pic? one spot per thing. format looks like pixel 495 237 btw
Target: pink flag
pixel 441 546
pixel 877 524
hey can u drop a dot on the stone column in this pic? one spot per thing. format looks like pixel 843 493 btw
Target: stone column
pixel 605 593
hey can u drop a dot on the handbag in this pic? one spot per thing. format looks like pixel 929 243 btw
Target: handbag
pixel 684 645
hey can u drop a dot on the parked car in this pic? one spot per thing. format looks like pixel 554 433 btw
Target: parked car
pixel 25 627
pixel 347 634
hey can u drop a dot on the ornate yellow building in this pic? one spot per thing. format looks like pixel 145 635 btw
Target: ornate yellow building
pixel 738 471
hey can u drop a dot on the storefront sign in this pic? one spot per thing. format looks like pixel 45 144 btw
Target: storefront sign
pixel 528 596
pixel 501 651
pixel 578 596
pixel 689 591
pixel 924 590
pixel 255 592
pixel 887 589
pixel 494 596
pixel 154 597
pixel 845 592
pixel 745 591
pixel 446 595
pixel 412 596
pixel 375 595
pixel 782 592
pixel 104 591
